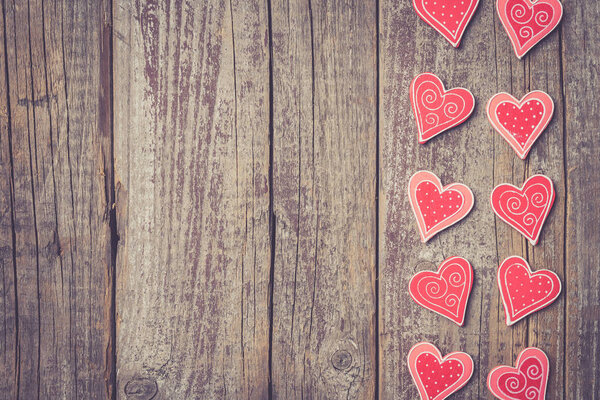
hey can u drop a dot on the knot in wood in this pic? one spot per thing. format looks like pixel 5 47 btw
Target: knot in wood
pixel 341 360
pixel 141 389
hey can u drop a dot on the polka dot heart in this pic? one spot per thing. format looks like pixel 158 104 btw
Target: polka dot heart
pixel 527 381
pixel 520 122
pixel 448 17
pixel 524 292
pixel 438 377
pixel 436 207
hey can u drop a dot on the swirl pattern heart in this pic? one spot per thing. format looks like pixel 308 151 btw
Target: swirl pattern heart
pixel 525 209
pixel 524 292
pixel 438 377
pixel 436 207
pixel 449 17
pixel 446 291
pixel 436 109
pixel 520 122
pixel 527 381
pixel 527 23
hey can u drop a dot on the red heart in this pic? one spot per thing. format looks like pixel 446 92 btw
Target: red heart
pixel 525 209
pixel 446 291
pixel 520 122
pixel 436 207
pixel 448 17
pixel 525 382
pixel 436 377
pixel 436 109
pixel 524 292
pixel 527 22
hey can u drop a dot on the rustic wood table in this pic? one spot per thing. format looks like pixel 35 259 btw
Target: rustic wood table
pixel 206 199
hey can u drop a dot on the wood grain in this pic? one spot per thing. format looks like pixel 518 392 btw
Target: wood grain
pixel 581 62
pixel 324 174
pixel 56 198
pixel 192 188
pixel 239 227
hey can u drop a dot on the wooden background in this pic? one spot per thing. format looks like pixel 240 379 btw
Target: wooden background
pixel 206 199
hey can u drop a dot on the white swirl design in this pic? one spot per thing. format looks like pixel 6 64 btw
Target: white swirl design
pixel 525 209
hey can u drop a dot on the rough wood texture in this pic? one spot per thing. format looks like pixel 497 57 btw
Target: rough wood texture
pixel 192 188
pixel 581 83
pixel 324 174
pixel 56 197
pixel 249 191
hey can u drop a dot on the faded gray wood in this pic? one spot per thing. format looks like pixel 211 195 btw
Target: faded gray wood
pixel 55 200
pixel 249 138
pixel 324 174
pixel 192 189
pixel 581 83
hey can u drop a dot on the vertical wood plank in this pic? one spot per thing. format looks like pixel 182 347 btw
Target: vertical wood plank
pixel 477 156
pixel 581 52
pixel 324 174
pixel 192 188
pixel 56 197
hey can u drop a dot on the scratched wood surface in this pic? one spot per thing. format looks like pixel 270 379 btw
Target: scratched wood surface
pixel 207 199
pixel 56 248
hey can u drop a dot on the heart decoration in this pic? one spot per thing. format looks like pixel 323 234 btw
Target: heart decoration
pixel 527 381
pixel 527 22
pixel 436 207
pixel 449 17
pixel 436 109
pixel 438 377
pixel 520 122
pixel 446 291
pixel 524 292
pixel 525 209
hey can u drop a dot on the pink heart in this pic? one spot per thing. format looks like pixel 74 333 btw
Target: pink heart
pixel 436 207
pixel 524 292
pixel 525 209
pixel 527 23
pixel 525 382
pixel 437 109
pixel 520 122
pixel 448 17
pixel 438 377
pixel 446 291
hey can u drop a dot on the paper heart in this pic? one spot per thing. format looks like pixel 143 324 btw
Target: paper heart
pixel 437 109
pixel 446 291
pixel 525 209
pixel 520 122
pixel 524 292
pixel 527 22
pixel 525 382
pixel 448 17
pixel 436 377
pixel 436 207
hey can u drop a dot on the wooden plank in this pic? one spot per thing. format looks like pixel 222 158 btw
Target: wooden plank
pixel 324 175
pixel 475 155
pixel 56 197
pixel 192 188
pixel 581 51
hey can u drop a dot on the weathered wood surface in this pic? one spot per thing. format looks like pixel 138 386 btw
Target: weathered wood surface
pixel 324 179
pixel 192 192
pixel 239 226
pixel 56 197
